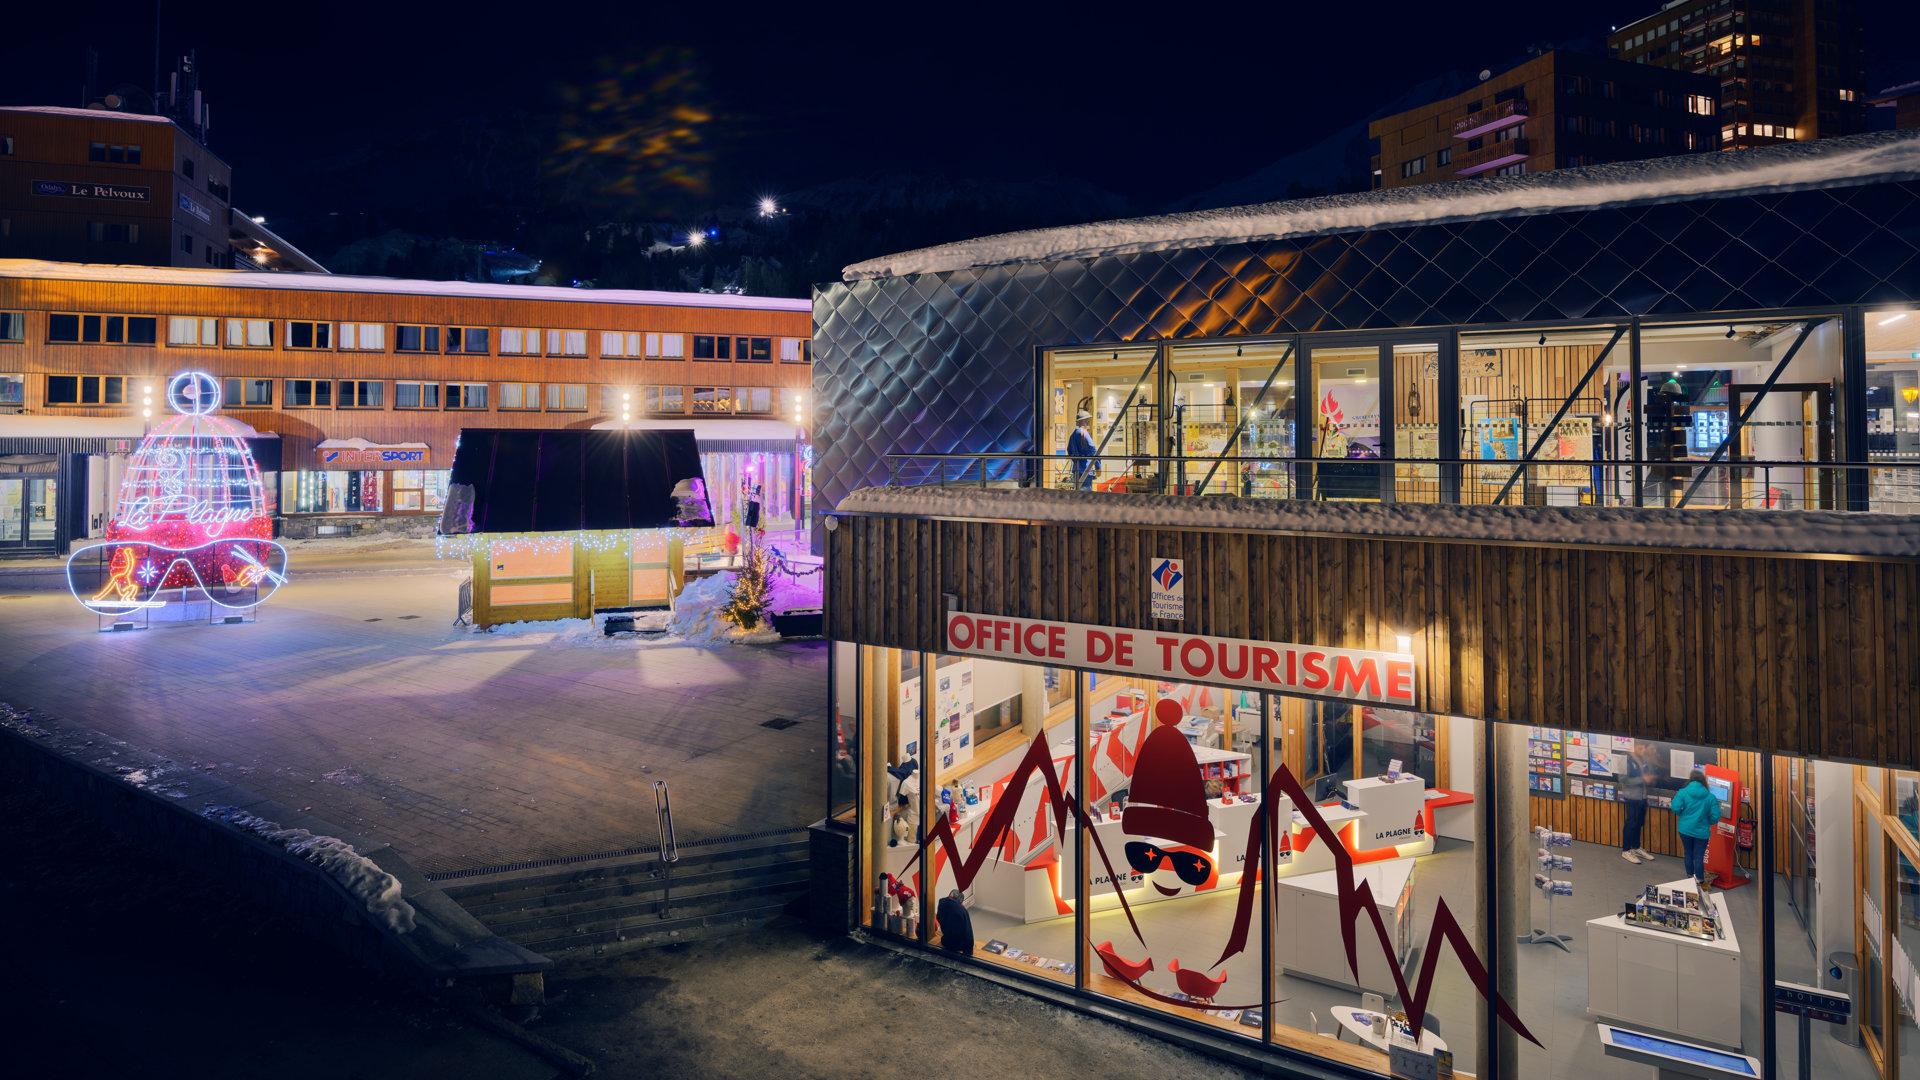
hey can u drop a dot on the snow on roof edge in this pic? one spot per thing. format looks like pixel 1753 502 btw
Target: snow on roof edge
pixel 329 282
pixel 1793 532
pixel 91 114
pixel 1847 160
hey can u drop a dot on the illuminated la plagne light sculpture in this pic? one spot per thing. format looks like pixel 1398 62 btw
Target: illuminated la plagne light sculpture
pixel 192 517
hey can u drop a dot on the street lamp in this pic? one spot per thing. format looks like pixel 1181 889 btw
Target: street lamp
pixel 768 207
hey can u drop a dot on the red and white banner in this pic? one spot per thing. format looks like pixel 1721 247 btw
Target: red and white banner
pixel 1377 678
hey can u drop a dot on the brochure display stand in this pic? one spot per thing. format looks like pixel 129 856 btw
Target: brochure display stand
pixel 1543 880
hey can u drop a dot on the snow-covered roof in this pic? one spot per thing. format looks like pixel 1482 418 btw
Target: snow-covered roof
pixel 264 279
pixel 91 114
pixel 1819 163
pixel 1808 532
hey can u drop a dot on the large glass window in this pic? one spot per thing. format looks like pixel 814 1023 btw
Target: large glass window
pixel 1540 404
pixel 1346 421
pixel 1111 396
pixel 1231 402
pixel 1893 408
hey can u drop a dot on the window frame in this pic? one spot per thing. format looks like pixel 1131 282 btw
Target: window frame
pixel 359 394
pixel 462 333
pixel 81 380
pixel 429 338
pixel 313 385
pixel 232 400
pixel 526 335
pixel 246 325
pixel 805 350
pixel 448 394
pixel 342 333
pixel 17 320
pixel 206 332
pixel 657 342
pixel 422 386
pixel 314 326
pixel 103 321
pixel 565 388
pixel 521 387
pixel 554 340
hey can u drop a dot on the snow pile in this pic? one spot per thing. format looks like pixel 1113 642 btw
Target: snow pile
pixel 570 633
pixel 1850 160
pixel 376 889
pixel 1809 532
pixel 696 615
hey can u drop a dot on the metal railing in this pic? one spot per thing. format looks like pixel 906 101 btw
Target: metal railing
pixel 669 849
pixel 1880 485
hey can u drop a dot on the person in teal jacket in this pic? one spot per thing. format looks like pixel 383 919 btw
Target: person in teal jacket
pixel 1695 812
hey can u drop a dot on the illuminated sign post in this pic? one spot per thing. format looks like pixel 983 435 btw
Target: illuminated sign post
pixel 191 517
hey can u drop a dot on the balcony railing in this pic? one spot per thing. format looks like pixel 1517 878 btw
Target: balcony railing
pixel 1499 115
pixel 1881 485
pixel 1492 156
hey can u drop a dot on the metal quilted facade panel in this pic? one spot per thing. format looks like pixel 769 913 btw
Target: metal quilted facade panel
pixel 947 362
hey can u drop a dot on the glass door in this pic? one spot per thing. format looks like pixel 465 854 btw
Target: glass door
pixel 12 511
pixel 1347 437
pixel 1416 421
pixel 42 504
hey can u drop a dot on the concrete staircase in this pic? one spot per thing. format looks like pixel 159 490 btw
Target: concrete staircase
pixel 590 909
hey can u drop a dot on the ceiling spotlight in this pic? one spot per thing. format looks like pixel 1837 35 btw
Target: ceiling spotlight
pixel 1543 340
pixel 1729 329
pixel 1241 350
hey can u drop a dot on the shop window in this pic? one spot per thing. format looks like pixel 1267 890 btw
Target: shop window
pixel 519 341
pixel 467 339
pixel 411 338
pixel 1230 401
pixel 307 394
pixel 516 395
pixel 338 492
pixel 102 329
pixel 188 330
pixel 416 395
pixel 566 397
pixel 711 347
pixel 362 393
pixel 248 392
pixel 467 396
pixel 566 343
pixel 616 344
pixel 843 733
pixel 712 399
pixel 1119 390
pixel 249 333
pixel 421 490
pixel 86 390
pixel 309 335
pixel 795 350
pixel 753 399
pixel 363 337
pixel 667 346
pixel 13 326
pixel 666 399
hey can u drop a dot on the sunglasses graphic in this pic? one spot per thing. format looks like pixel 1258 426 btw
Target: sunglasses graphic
pixel 1191 867
pixel 120 576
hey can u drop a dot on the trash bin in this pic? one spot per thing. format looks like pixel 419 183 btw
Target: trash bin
pixel 1843 974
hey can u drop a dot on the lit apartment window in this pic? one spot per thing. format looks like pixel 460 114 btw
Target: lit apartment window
pixel 407 338
pixel 709 347
pixel 188 330
pixel 519 395
pixel 1846 95
pixel 242 392
pixel 307 394
pixel 112 232
pixel 1508 134
pixel 102 329
pixel 666 399
pixel 519 341
pixel 754 350
pixel 363 336
pixel 753 399
pixel 416 395
pixel 470 340
pixel 1700 104
pixel 616 344
pixel 1441 159
pixel 309 335
pixel 13 326
pixel 713 399
pixel 13 389
pixel 795 350
pixel 469 395
pixel 1413 167
pixel 86 389
pixel 566 397
pixel 249 333
pixel 667 346
pixel 566 343
pixel 362 393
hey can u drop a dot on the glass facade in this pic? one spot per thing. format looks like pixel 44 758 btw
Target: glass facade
pixel 1185 850
pixel 369 491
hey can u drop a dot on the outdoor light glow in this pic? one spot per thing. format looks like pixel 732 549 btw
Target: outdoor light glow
pixel 1403 642
pixel 695 239
pixel 258 220
pixel 768 207
pixel 192 514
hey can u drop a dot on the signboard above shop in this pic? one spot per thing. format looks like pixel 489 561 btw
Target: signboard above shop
pixel 77 189
pixel 1360 675
pixel 360 454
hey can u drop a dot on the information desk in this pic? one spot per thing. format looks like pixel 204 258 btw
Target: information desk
pixel 1392 808
pixel 1674 983
pixel 1307 907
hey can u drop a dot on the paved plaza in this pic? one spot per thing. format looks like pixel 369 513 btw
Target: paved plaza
pixel 352 697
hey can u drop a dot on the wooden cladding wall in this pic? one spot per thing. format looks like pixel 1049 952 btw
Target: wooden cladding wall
pixel 1817 657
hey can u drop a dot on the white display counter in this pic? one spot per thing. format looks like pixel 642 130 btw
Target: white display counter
pixel 1674 983
pixel 1307 911
pixel 1393 809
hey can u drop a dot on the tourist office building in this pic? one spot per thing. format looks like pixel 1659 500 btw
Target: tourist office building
pixel 1342 635
pixel 356 389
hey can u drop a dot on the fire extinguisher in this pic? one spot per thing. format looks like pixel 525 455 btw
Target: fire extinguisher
pixel 1745 838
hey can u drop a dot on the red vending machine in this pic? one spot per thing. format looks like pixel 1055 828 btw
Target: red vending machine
pixel 1725 785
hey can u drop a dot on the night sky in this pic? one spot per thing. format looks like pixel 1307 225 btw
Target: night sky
pixel 1151 108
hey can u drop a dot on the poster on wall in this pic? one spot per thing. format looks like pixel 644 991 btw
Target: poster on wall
pixel 906 746
pixel 1348 424
pixel 953 714
pixel 1571 440
pixel 1546 761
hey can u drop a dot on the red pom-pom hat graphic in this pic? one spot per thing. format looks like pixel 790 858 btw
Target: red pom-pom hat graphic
pixel 1168 797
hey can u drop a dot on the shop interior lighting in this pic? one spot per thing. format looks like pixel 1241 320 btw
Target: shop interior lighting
pixel 1891 319
pixel 1403 642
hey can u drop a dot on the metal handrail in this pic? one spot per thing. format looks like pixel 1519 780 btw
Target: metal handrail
pixel 669 849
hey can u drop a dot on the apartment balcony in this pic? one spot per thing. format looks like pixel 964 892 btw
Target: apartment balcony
pixel 1501 114
pixel 1492 156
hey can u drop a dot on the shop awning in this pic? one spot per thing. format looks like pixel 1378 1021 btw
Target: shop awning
pixel 21 433
pixel 720 436
pixel 517 480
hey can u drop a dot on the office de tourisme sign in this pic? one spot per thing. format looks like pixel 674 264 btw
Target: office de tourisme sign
pixel 1376 678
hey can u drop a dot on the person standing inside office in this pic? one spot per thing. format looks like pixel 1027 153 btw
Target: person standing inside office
pixel 1081 450
pixel 1640 775
pixel 1696 810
